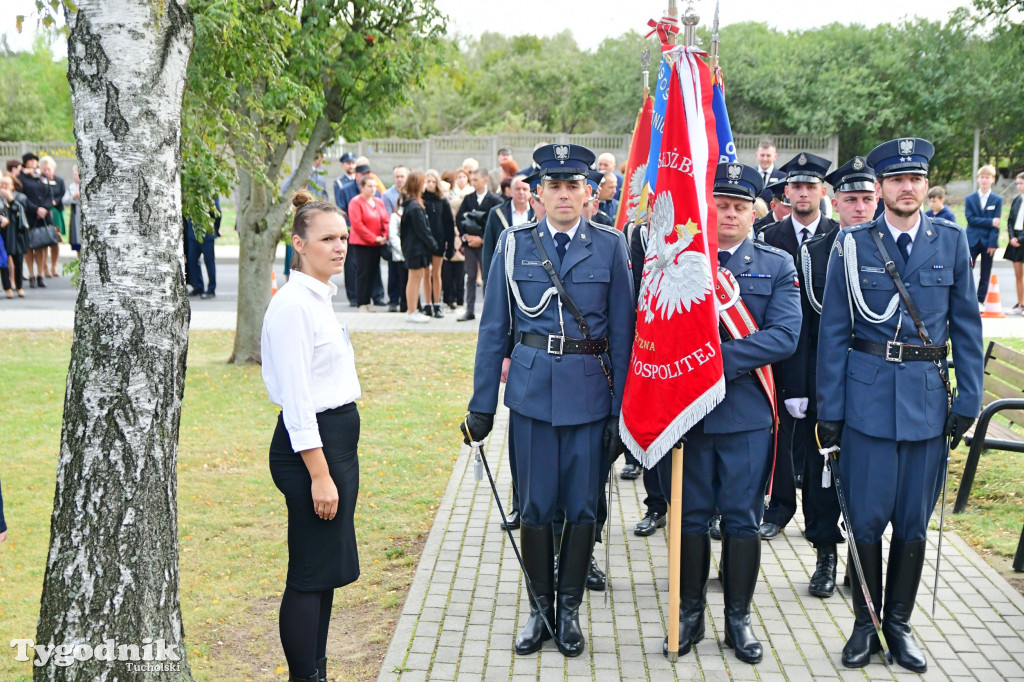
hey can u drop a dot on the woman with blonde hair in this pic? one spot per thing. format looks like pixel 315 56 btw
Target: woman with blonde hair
pixel 442 226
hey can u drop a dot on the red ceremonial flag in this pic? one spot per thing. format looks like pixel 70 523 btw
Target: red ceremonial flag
pixel 675 375
pixel 636 167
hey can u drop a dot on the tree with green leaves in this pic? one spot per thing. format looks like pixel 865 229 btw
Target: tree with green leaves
pixel 270 77
pixel 35 101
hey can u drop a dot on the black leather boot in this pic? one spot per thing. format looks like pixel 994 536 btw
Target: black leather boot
pixel 573 567
pixel 902 578
pixel 693 587
pixel 315 677
pixel 823 582
pixel 538 553
pixel 321 670
pixel 863 642
pixel 741 561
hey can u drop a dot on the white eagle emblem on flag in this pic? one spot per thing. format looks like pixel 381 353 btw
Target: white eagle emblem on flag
pixel 636 188
pixel 674 278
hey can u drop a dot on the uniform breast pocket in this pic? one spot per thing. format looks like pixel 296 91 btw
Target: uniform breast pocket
pixel 878 289
pixel 532 281
pixel 935 288
pixel 590 287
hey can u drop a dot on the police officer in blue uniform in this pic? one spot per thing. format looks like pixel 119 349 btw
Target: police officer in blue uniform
pixel 728 454
pixel 565 381
pixel 854 186
pixel 882 386
pixel 805 188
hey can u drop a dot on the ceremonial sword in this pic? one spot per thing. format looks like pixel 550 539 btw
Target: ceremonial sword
pixel 478 450
pixel 832 458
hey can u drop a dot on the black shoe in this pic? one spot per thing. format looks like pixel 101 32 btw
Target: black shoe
pixel 196 293
pixel 574 565
pixel 207 295
pixel 693 585
pixel 39 283
pixel 650 523
pixel 465 317
pixel 31 282
pixel 630 472
pixel 863 642
pixel 597 581
pixel 437 311
pixel 769 530
pixel 315 677
pixel 823 582
pixel 902 578
pixel 321 670
pixel 511 521
pixel 715 527
pixel 538 551
pixel 379 301
pixel 741 563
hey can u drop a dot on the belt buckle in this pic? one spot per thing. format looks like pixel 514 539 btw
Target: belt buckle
pixel 555 344
pixel 893 351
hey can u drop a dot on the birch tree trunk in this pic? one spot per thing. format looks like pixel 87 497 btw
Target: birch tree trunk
pixel 112 570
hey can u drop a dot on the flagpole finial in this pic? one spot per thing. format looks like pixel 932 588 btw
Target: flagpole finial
pixel 690 20
pixel 645 62
pixel 714 39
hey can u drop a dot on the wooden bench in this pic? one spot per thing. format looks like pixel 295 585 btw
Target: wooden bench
pixel 1004 395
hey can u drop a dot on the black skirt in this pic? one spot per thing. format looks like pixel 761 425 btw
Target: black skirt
pixel 321 554
pixel 1014 253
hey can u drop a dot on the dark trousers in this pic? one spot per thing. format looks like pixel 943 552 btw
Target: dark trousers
pixel 367 261
pixel 655 500
pixel 5 274
pixel 890 481
pixel 558 467
pixel 473 259
pixel 453 282
pixel 980 249
pixel 730 468
pixel 205 249
pixel 398 277
pixel 352 279
pixel 820 505
pixel 783 503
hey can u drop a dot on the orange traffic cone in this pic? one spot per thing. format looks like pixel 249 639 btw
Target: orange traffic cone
pixel 993 304
pixel 273 282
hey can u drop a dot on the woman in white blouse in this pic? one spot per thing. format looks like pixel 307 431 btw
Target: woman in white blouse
pixel 309 369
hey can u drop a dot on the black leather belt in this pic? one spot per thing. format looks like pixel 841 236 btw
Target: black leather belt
pixel 894 351
pixel 560 345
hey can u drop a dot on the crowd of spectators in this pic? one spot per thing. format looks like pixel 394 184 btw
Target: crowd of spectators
pixel 426 225
pixel 33 222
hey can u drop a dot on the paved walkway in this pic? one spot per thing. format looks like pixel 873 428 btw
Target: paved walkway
pixel 467 600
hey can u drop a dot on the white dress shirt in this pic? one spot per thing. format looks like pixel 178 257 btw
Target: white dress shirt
pixel 896 232
pixel 799 227
pixel 519 218
pixel 983 199
pixel 308 361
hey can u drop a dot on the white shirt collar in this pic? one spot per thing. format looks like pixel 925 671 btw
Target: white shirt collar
pixel 798 226
pixel 480 197
pixel 732 250
pixel 517 217
pixel 324 291
pixel 896 232
pixel 571 232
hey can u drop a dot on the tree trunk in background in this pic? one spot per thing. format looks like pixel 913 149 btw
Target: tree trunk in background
pixel 112 570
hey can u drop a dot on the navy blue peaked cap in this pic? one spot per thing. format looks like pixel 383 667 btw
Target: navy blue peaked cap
pixel 853 176
pixel 737 180
pixel 805 167
pixel 563 161
pixel 905 155
pixel 778 189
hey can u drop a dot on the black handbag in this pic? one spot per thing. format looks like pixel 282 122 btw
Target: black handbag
pixel 41 237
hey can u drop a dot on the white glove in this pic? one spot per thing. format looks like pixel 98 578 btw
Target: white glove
pixel 797 407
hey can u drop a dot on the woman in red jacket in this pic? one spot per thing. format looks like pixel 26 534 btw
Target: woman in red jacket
pixel 369 230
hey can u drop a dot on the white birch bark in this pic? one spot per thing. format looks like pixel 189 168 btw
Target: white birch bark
pixel 112 570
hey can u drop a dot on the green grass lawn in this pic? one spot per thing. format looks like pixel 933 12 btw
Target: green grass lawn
pixel 232 519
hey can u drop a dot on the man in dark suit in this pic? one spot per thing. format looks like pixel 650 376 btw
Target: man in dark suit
pixel 983 210
pixel 766 156
pixel 805 187
pixel 472 232
pixel 515 211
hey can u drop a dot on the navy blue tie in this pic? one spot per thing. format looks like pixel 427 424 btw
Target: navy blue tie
pixel 903 244
pixel 723 258
pixel 561 242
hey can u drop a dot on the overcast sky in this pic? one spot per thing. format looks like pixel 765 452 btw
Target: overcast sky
pixel 592 21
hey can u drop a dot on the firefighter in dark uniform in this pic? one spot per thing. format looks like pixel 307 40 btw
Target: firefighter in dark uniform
pixel 779 207
pixel 882 390
pixel 728 457
pixel 805 188
pixel 853 184
pixel 565 380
